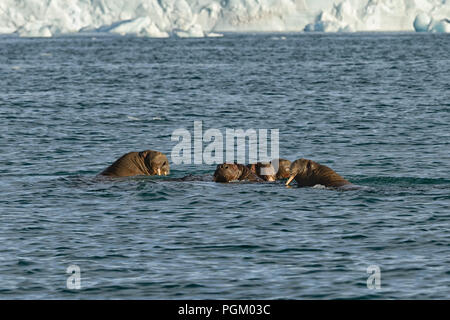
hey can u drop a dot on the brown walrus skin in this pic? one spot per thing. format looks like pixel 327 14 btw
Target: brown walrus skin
pixel 308 173
pixel 283 169
pixel 269 173
pixel 227 172
pixel 146 162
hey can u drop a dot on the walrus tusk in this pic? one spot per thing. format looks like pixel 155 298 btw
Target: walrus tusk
pixel 290 179
pixel 159 172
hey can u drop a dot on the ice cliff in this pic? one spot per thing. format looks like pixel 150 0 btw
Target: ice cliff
pixel 199 18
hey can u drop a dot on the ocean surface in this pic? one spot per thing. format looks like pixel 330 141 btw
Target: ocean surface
pixel 374 107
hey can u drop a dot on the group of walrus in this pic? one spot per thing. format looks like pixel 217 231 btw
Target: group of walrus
pixel 306 173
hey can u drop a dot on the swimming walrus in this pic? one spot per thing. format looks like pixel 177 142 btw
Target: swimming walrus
pixel 146 162
pixel 308 173
pixel 283 169
pixel 266 170
pixel 227 172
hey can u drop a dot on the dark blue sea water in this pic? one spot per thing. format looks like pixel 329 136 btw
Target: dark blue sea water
pixel 374 107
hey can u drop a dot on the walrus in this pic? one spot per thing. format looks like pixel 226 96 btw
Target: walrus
pixel 263 170
pixel 308 173
pixel 266 170
pixel 146 162
pixel 227 172
pixel 283 169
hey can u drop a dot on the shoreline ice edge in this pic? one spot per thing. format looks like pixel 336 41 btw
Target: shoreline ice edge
pixel 210 18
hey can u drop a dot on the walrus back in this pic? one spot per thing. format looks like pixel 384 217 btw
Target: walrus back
pixel 328 177
pixel 124 166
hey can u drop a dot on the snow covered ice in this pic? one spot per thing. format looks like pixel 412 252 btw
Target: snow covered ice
pixel 202 18
pixel 384 15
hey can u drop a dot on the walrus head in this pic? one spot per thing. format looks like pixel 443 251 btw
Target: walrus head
pixel 264 170
pixel 155 162
pixel 308 173
pixel 227 172
pixel 301 169
pixel 283 169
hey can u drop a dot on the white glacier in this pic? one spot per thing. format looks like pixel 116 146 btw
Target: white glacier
pixel 199 18
pixel 384 15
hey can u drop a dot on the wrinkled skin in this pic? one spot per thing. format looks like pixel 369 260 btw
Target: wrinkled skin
pixel 264 170
pixel 283 169
pixel 308 173
pixel 146 162
pixel 232 171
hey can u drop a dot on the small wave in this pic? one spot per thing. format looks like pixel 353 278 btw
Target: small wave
pixel 214 35
pixel 133 118
pixel 227 247
pixel 23 262
pixel 278 38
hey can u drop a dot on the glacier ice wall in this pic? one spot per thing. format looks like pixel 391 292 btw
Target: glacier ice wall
pixel 384 15
pixel 199 18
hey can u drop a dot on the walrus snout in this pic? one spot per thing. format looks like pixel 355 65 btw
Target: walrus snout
pixel 159 165
pixel 226 172
pixel 299 170
pixel 162 172
pixel 263 170
pixel 284 170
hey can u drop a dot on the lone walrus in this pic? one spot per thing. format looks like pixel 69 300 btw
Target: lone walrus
pixel 227 172
pixel 146 162
pixel 308 173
